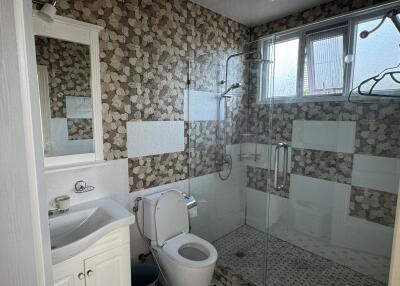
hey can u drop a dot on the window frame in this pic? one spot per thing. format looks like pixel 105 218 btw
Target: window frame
pixel 351 19
pixel 342 29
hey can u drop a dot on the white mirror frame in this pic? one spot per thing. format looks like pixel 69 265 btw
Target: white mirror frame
pixel 67 29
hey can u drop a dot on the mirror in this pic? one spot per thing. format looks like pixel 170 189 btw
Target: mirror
pixel 65 96
pixel 68 69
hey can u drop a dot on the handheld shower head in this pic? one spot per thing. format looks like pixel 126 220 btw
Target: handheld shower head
pixel 232 87
pixel 392 15
pixel 236 85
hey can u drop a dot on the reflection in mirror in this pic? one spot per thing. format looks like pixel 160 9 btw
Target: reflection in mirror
pixel 65 96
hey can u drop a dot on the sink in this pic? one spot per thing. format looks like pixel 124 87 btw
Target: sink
pixel 74 231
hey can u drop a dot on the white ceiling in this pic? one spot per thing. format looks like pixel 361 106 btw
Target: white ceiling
pixel 255 12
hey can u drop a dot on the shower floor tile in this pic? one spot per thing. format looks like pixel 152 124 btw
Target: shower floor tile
pixel 242 255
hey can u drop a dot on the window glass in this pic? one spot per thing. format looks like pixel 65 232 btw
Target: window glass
pixel 324 62
pixel 379 51
pixel 285 68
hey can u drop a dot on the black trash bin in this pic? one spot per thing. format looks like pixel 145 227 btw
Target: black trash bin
pixel 145 275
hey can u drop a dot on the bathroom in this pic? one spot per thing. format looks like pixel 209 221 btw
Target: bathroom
pixel 269 129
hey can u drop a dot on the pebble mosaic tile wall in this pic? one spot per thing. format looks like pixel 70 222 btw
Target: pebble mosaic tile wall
pixel 79 128
pixel 376 206
pixel 317 13
pixel 203 147
pixel 381 138
pixel 331 166
pixel 377 134
pixel 261 179
pixel 145 48
pixel 68 66
pixel 152 171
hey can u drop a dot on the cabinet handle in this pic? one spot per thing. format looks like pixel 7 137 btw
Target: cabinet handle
pixel 81 276
pixel 89 273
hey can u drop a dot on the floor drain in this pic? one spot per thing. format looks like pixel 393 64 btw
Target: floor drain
pixel 240 254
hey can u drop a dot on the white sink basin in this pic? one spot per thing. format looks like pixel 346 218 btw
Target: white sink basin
pixel 84 224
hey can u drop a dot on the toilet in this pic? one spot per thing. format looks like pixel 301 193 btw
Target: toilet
pixel 186 259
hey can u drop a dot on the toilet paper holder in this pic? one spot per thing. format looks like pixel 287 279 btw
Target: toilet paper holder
pixel 190 201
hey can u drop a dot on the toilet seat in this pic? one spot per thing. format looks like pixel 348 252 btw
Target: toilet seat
pixel 173 245
pixel 171 218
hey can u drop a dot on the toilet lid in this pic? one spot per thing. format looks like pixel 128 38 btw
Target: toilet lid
pixel 171 216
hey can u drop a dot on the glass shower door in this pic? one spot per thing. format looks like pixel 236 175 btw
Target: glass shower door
pixel 332 188
pixel 219 189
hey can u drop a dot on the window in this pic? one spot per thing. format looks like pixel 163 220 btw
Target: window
pixel 330 59
pixel 286 63
pixel 379 51
pixel 324 62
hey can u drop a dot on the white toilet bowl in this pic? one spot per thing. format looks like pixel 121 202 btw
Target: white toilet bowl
pixel 188 260
pixel 185 258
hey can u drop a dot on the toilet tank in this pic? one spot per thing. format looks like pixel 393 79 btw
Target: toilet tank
pixel 149 207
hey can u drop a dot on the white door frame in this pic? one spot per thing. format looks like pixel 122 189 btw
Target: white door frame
pixel 25 236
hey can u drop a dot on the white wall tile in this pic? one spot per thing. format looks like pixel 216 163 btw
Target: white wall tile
pixel 220 203
pixel 202 105
pixel 377 173
pixel 79 107
pixel 262 208
pixel 256 209
pixel 311 204
pixel 341 231
pixel 337 136
pixel 318 192
pixel 354 233
pixel 110 180
pixel 368 236
pixel 154 137
pixel 60 143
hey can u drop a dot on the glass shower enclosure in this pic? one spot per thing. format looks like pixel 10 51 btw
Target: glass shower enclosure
pixel 290 191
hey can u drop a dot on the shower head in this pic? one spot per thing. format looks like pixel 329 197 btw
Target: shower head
pixel 392 15
pixel 232 87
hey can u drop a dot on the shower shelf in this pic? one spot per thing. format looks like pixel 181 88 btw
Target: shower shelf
pixel 248 156
pixel 255 157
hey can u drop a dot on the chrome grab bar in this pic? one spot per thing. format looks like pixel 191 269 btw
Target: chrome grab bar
pixel 285 147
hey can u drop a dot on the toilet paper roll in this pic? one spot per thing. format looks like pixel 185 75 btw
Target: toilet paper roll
pixel 193 212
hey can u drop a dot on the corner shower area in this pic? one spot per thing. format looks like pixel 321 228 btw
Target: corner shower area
pixel 295 156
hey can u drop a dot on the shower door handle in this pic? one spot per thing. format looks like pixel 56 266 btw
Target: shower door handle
pixel 285 147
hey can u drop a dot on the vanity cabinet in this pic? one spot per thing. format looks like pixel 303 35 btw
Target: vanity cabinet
pixel 67 273
pixel 109 268
pixel 105 263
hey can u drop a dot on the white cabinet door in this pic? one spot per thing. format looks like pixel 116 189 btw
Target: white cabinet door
pixel 69 273
pixel 109 268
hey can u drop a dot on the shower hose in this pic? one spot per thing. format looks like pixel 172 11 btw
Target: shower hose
pixel 135 210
